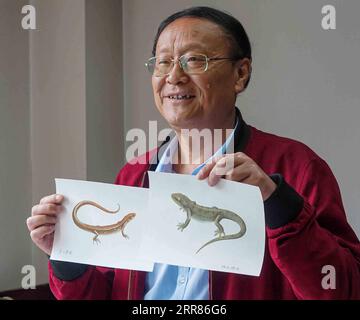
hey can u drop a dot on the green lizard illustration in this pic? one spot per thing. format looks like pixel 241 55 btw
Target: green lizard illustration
pixel 202 213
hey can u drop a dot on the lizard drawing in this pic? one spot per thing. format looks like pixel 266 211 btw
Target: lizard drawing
pixel 202 213
pixel 97 230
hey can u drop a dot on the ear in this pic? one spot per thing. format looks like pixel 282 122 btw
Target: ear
pixel 242 74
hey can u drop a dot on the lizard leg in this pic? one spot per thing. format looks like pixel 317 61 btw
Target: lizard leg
pixel 95 239
pixel 182 226
pixel 122 230
pixel 220 230
pixel 123 234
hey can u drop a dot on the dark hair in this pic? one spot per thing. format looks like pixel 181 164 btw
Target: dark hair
pixel 231 27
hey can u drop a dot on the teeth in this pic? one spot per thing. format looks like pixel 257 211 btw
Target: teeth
pixel 178 97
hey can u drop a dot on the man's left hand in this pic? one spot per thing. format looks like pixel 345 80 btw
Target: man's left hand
pixel 238 167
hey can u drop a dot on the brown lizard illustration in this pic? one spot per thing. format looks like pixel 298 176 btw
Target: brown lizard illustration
pixel 97 230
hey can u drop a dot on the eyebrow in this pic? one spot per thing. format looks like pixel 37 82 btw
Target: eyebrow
pixel 187 47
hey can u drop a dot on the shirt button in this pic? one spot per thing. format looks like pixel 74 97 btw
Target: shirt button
pixel 182 280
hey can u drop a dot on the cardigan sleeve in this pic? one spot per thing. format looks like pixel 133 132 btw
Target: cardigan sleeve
pixel 95 283
pixel 318 241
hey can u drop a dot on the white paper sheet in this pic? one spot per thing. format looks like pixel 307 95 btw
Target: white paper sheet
pixel 76 245
pixel 164 243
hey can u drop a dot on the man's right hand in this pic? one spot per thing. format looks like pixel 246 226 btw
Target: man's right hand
pixel 42 222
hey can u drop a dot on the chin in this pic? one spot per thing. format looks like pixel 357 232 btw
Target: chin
pixel 179 116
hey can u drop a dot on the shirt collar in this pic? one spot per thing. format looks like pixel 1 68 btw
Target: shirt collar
pixel 165 165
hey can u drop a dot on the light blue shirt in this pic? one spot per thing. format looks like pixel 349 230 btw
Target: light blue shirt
pixel 169 282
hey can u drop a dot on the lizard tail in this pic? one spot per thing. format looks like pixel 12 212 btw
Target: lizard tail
pixel 91 203
pixel 228 237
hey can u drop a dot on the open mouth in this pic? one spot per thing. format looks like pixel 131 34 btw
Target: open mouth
pixel 180 97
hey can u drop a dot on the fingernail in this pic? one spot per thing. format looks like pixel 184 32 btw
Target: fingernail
pixel 58 197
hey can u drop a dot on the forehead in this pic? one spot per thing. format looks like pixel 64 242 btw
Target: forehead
pixel 186 34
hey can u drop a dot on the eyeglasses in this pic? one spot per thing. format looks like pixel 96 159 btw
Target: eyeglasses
pixel 191 64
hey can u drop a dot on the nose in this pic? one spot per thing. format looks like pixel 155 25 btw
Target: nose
pixel 177 74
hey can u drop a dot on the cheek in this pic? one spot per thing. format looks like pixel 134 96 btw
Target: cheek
pixel 206 91
pixel 218 87
pixel 156 86
pixel 204 87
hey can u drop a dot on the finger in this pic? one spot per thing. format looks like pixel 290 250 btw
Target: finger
pixel 253 175
pixel 223 164
pixel 53 198
pixel 39 220
pixel 205 170
pixel 240 173
pixel 222 167
pixel 41 232
pixel 46 209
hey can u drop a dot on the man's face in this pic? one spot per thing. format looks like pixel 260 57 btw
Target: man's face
pixel 213 92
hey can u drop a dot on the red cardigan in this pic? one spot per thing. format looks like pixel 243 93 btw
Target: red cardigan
pixel 294 254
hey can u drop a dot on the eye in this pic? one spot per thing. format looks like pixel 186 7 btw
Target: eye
pixel 164 61
pixel 196 62
pixel 194 59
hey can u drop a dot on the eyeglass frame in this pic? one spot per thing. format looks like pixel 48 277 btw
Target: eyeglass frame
pixel 207 59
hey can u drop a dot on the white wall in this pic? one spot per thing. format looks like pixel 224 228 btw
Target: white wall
pixel 305 82
pixel 58 101
pixel 15 165
pixel 61 112
pixel 76 86
pixel 104 89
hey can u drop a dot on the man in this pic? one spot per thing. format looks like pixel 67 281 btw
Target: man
pixel 201 62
